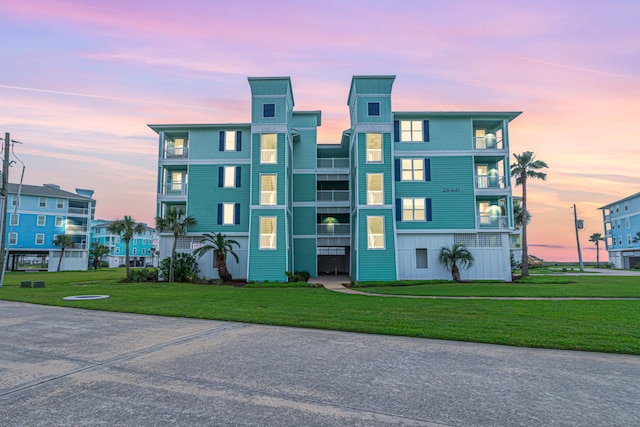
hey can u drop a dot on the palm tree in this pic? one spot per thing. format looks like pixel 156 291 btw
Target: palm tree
pixel 64 241
pixel 636 239
pixel 176 222
pixel 222 246
pixel 97 251
pixel 526 167
pixel 517 215
pixel 450 257
pixel 596 238
pixel 126 228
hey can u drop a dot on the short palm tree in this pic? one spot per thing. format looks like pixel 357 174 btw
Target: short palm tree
pixel 222 246
pixel 451 257
pixel 126 228
pixel 64 241
pixel 526 167
pixel 96 252
pixel 636 239
pixel 596 238
pixel 177 222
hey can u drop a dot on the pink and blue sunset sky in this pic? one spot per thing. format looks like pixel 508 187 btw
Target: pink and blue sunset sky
pixel 80 81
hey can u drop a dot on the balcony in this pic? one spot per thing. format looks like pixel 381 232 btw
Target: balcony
pixel 76 228
pixel 333 229
pixel 174 189
pixel 176 152
pixel 79 211
pixel 333 163
pixel 486 220
pixel 491 182
pixel 332 195
pixel 488 142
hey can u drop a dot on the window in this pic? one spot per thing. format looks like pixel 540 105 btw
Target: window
pixel 422 261
pixel 373 109
pixel 374 148
pixel 13 238
pixel 618 224
pixel 268 148
pixel 628 239
pixel 627 223
pixel 267 232
pixel 118 250
pixel 58 221
pixel 411 131
pixel 144 251
pixel 39 239
pixel 15 219
pixel 135 241
pixel 413 209
pixel 14 200
pixel 375 194
pixel 42 202
pixel 229 141
pixel 619 240
pixel 134 251
pixel 268 110
pixel 412 170
pixel 229 180
pixel 375 232
pixel 228 215
pixel 177 180
pixel 59 203
pixel 42 221
pixel 626 206
pixel 268 189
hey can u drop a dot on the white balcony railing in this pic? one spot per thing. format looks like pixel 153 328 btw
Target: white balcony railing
pixel 176 152
pixel 333 163
pixel 487 143
pixel 81 211
pixel 490 182
pixel 492 221
pixel 73 229
pixel 175 189
pixel 333 229
pixel 332 195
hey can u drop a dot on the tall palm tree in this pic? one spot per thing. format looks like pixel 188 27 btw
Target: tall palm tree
pixel 451 257
pixel 126 228
pixel 222 246
pixel 517 214
pixel 64 241
pixel 596 238
pixel 176 222
pixel 526 167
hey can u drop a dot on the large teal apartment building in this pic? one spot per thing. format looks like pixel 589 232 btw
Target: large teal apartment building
pixel 376 205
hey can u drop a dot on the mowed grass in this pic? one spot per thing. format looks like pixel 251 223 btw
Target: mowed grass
pixel 606 326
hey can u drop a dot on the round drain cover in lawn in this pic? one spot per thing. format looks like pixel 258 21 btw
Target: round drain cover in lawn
pixel 85 297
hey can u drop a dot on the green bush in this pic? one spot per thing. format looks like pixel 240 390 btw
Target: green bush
pixel 637 266
pixel 298 276
pixel 185 268
pixel 143 275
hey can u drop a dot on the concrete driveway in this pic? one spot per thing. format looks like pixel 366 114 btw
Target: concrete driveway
pixel 73 367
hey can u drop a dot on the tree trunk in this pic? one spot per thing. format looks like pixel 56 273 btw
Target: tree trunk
pixel 173 255
pixel 455 273
pixel 223 273
pixel 597 255
pixel 61 255
pixel 525 249
pixel 126 258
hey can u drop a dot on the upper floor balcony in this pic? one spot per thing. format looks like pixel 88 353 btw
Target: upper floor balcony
pixel 333 163
pixel 491 182
pixel 340 196
pixel 78 211
pixel 76 228
pixel 176 145
pixel 489 142
pixel 487 220
pixel 333 229
pixel 489 135
pixel 174 189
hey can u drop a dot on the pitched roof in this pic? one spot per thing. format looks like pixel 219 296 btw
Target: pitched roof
pixel 45 191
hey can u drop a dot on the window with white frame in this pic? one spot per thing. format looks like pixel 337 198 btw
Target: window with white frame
pixel 13 239
pixel 626 206
pixel 412 169
pixel 628 239
pixel 134 251
pixel 15 219
pixel 230 140
pixel 375 190
pixel 144 251
pixel 619 240
pixel 618 224
pixel 42 202
pixel 268 189
pixel 14 200
pixel 118 250
pixel 627 222
pixel 422 261
pixel 413 209
pixel 410 130
pixel 135 241
pixel 267 232
pixel 374 148
pixel 59 203
pixel 268 148
pixel 375 232
pixel 39 239
pixel 41 221
pixel 229 177
pixel 228 213
pixel 58 222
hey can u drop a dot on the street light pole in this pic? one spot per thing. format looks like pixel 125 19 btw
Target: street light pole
pixel 5 201
pixel 578 226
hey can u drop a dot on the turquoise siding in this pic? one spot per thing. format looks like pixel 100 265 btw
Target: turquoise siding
pixel 267 264
pixel 364 168
pixel 304 151
pixel 205 144
pixel 376 264
pixel 305 221
pixel 304 187
pixel 385 109
pixel 202 197
pixel 449 134
pixel 304 253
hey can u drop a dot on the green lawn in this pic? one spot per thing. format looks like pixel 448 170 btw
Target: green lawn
pixel 607 326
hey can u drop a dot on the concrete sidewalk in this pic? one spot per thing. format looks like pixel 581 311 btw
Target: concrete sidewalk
pixel 73 367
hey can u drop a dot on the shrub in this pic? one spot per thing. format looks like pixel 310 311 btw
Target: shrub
pixel 637 266
pixel 185 267
pixel 143 275
pixel 298 276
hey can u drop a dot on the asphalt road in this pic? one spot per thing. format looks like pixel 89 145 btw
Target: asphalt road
pixel 73 367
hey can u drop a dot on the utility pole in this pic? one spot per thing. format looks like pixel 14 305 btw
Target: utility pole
pixel 4 191
pixel 579 225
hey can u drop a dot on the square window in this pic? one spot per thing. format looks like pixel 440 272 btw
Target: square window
pixel 413 209
pixel 268 148
pixel 268 110
pixel 229 177
pixel 228 213
pixel 268 232
pixel 412 170
pixel 59 203
pixel 422 261
pixel 411 130
pixel 374 148
pixel 375 193
pixel 373 109
pixel 42 221
pixel 42 202
pixel 39 239
pixel 375 232
pixel 268 189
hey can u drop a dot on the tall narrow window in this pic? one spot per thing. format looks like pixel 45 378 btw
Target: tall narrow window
pixel 15 219
pixel 42 202
pixel 268 148
pixel 230 141
pixel 177 182
pixel 59 203
pixel 58 221
pixel 268 189
pixel 267 232
pixel 229 176
pixel 228 213
pixel 42 221
pixel 13 239
pixel 374 148
pixel 412 169
pixel 411 131
pixel 422 260
pixel 375 193
pixel 375 232
pixel 39 239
